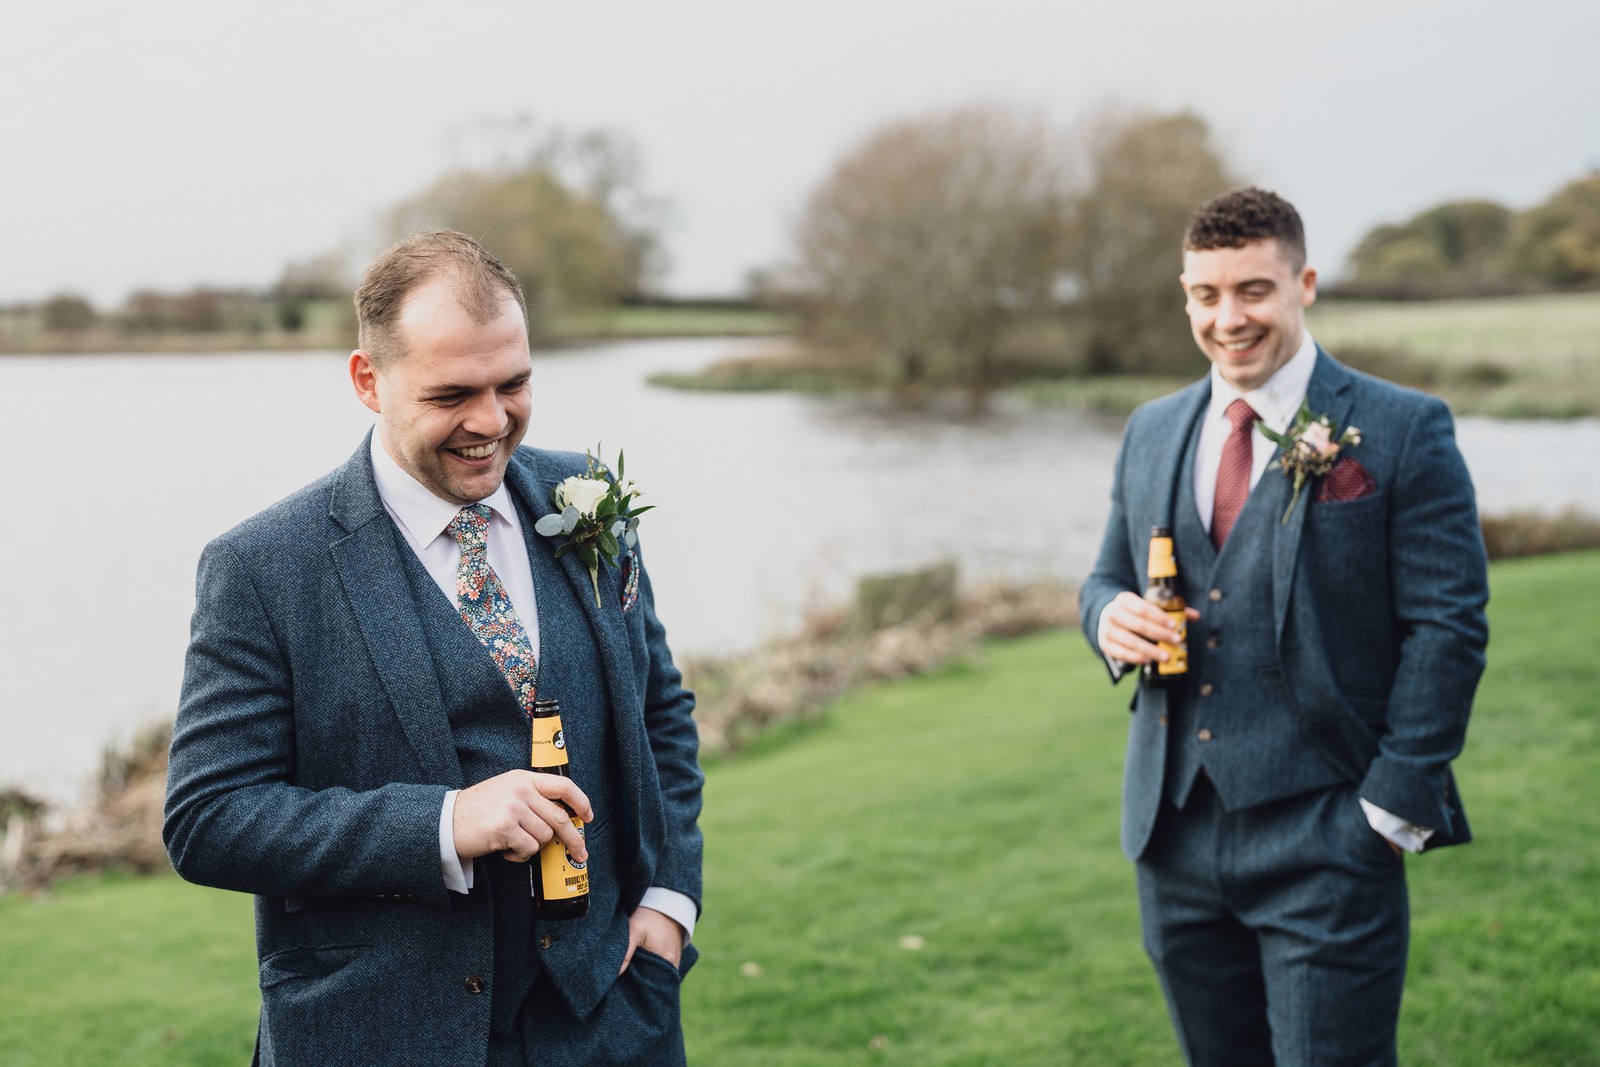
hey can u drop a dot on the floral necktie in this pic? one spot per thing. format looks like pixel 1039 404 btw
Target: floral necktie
pixel 486 607
pixel 1233 475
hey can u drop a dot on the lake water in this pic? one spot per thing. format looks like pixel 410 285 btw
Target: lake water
pixel 124 466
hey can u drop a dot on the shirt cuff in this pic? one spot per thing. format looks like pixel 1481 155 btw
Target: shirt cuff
pixel 674 905
pixel 1118 668
pixel 457 871
pixel 1408 835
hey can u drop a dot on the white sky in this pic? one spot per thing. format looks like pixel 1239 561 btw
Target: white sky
pixel 167 143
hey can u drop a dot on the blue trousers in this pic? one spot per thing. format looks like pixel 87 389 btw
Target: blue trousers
pixel 1279 932
pixel 637 1024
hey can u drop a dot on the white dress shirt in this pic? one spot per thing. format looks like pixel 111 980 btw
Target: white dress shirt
pixel 423 520
pixel 1276 402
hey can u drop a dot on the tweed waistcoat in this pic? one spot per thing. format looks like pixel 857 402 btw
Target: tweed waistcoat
pixel 1233 715
pixel 492 735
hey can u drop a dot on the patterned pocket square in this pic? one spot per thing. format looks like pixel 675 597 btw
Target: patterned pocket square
pixel 1348 481
pixel 630 581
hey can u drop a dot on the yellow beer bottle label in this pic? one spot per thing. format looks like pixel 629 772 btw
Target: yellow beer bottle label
pixel 1162 562
pixel 549 744
pixel 563 877
pixel 1178 661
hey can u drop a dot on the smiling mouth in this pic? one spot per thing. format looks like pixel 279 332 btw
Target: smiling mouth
pixel 483 451
pixel 1241 346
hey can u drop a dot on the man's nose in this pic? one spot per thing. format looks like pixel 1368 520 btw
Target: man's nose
pixel 485 415
pixel 1230 314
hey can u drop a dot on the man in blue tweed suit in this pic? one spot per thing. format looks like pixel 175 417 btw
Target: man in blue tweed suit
pixel 1270 794
pixel 350 752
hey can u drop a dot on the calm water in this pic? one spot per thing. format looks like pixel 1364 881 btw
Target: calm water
pixel 124 466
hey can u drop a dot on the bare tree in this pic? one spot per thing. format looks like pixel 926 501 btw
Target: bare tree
pixel 930 237
pixel 572 220
pixel 1148 173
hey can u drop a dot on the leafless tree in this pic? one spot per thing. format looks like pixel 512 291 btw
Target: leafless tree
pixel 572 220
pixel 1147 174
pixel 930 237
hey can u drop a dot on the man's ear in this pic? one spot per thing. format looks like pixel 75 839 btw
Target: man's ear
pixel 365 378
pixel 1308 286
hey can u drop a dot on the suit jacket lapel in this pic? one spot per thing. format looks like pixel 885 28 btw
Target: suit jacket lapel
pixel 1328 393
pixel 1164 455
pixel 533 483
pixel 372 574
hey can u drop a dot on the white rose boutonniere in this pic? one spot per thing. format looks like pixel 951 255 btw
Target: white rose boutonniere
pixel 584 494
pixel 1309 448
pixel 595 514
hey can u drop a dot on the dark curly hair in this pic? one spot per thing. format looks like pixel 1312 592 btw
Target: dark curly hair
pixel 1243 216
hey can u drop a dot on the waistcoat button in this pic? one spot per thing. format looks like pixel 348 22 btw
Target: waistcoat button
pixel 1215 595
pixel 474 983
pixel 1204 734
pixel 544 942
pixel 1206 689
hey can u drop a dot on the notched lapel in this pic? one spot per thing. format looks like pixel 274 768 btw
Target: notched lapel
pixel 372 575
pixel 606 620
pixel 1165 453
pixel 1328 393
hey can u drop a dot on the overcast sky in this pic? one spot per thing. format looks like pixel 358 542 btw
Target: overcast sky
pixel 167 143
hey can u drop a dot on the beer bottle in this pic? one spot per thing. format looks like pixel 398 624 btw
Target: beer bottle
pixel 560 883
pixel 1165 594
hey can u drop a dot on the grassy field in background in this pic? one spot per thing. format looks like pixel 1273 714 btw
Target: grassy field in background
pixel 332 324
pixel 1521 356
pixel 626 322
pixel 1514 357
pixel 931 876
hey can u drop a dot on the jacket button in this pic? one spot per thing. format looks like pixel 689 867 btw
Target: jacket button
pixel 1162 719
pixel 1215 595
pixel 1204 734
pixel 474 984
pixel 1206 689
pixel 544 942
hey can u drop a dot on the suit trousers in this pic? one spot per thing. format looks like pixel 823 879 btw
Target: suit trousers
pixel 1279 932
pixel 637 1024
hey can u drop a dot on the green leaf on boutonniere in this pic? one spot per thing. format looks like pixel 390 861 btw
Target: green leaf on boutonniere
pixel 1309 449
pixel 596 512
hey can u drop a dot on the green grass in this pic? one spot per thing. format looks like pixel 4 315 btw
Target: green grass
pixel 331 324
pixel 1516 356
pixel 672 322
pixel 1549 329
pixel 1512 357
pixel 122 970
pixel 975 809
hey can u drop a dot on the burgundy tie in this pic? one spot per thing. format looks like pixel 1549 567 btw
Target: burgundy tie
pixel 1233 476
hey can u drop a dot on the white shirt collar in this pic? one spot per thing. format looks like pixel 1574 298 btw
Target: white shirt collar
pixel 1278 399
pixel 423 515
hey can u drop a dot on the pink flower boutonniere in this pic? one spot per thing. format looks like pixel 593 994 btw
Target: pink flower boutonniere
pixel 1310 448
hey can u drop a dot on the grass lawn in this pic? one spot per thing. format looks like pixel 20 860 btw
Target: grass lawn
pixel 1517 356
pixel 931 876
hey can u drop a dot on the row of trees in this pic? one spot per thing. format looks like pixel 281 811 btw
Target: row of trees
pixel 936 235
pixel 1468 247
pixel 571 217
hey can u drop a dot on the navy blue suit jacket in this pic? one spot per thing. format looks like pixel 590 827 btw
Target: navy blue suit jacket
pixel 1377 602
pixel 311 757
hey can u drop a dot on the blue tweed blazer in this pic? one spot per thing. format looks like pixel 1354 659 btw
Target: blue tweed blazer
pixel 1378 602
pixel 311 757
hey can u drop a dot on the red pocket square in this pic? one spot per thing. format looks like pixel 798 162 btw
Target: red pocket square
pixel 1348 480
